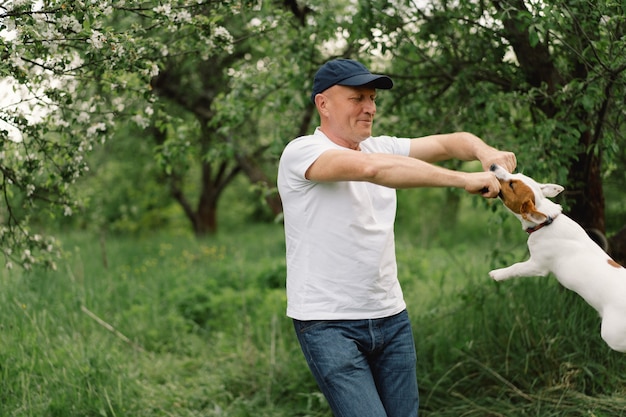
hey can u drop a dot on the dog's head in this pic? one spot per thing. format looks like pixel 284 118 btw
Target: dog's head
pixel 525 197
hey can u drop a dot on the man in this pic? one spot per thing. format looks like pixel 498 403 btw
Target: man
pixel 338 192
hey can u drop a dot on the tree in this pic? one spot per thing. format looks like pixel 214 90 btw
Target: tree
pixel 78 69
pixel 546 79
pixel 89 67
pixel 194 86
pixel 246 104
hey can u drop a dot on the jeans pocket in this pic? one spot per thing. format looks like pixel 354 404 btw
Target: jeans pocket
pixel 305 326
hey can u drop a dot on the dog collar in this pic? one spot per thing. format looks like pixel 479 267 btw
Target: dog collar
pixel 533 229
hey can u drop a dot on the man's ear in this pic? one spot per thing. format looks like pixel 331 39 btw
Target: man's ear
pixel 551 190
pixel 320 102
pixel 529 212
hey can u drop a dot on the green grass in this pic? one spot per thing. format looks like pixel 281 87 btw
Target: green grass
pixel 166 325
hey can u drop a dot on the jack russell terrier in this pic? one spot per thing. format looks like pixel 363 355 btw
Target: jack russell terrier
pixel 559 245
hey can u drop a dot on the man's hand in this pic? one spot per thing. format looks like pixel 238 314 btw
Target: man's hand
pixel 505 159
pixel 483 183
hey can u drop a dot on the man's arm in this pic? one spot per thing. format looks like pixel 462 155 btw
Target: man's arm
pixel 396 171
pixel 463 146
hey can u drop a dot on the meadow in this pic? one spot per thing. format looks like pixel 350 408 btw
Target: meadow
pixel 164 324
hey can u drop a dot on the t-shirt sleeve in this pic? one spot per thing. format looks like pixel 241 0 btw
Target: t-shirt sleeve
pixel 388 144
pixel 299 155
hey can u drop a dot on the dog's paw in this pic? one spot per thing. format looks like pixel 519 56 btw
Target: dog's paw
pixel 498 274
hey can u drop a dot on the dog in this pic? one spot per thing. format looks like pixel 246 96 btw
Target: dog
pixel 559 245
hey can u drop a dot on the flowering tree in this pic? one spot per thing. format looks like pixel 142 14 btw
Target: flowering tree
pixel 244 105
pixel 70 72
pixel 206 81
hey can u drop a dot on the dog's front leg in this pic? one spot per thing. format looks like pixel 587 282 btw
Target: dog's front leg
pixel 520 269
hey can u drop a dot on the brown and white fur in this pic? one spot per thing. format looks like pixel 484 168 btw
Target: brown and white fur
pixel 559 245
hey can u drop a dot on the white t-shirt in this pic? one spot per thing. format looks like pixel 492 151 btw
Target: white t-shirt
pixel 341 262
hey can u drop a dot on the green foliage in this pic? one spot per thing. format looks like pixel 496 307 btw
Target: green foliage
pixel 173 325
pixel 213 91
pixel 78 70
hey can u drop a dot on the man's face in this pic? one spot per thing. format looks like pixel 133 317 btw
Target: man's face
pixel 350 112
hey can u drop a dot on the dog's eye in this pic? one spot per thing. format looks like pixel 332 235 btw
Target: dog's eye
pixel 511 184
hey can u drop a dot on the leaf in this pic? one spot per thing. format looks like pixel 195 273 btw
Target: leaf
pixel 533 36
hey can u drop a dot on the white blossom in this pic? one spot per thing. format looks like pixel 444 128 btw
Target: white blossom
pixel 141 120
pixel 182 17
pixel 82 117
pixel 165 9
pixel 119 104
pixel 70 22
pixel 152 71
pixel 120 50
pixel 10 29
pixel 224 36
pixel 95 128
pixel 97 39
pixel 222 32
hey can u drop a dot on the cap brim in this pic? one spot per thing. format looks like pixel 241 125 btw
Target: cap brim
pixel 374 80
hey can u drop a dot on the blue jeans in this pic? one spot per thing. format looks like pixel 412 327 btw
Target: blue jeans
pixel 364 368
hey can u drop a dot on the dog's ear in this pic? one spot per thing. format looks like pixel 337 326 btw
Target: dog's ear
pixel 551 190
pixel 529 212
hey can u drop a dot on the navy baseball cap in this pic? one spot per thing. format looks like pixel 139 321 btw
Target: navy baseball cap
pixel 347 72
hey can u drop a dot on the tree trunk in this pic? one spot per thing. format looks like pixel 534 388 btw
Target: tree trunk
pixel 206 219
pixel 586 195
pixel 213 181
pixel 203 219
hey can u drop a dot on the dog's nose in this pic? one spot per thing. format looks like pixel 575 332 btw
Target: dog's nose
pixel 493 167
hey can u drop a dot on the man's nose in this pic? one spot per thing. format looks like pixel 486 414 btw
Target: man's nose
pixel 370 107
